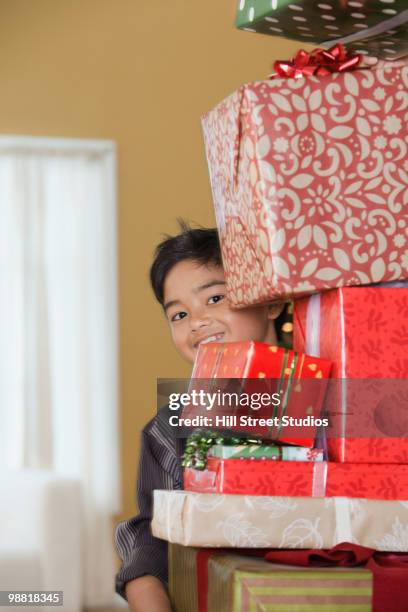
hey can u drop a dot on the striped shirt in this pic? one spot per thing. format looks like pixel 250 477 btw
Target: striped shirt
pixel 159 468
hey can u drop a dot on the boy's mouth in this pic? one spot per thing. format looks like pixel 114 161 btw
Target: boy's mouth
pixel 208 339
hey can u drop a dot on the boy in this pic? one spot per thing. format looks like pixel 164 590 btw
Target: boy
pixel 188 281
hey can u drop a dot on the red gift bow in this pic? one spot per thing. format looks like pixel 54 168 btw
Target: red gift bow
pixel 319 62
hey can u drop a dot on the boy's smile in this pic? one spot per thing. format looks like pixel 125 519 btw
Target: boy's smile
pixel 198 311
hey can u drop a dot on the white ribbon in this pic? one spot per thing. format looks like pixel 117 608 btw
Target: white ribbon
pixel 312 347
pixel 319 479
pixel 312 344
pixel 343 381
pixel 384 26
pixel 343 519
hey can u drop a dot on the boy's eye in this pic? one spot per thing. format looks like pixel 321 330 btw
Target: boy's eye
pixel 215 298
pixel 178 316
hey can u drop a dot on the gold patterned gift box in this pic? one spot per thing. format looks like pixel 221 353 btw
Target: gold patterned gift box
pixel 246 521
pixel 231 582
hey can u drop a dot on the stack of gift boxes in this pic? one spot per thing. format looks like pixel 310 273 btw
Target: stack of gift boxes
pixel 310 184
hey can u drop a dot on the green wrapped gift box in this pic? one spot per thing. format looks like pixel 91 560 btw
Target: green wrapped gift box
pixel 207 580
pixel 374 27
pixel 277 453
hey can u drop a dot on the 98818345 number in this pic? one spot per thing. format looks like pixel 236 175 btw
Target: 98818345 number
pixel 31 598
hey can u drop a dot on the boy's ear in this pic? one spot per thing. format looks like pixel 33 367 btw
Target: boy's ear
pixel 274 310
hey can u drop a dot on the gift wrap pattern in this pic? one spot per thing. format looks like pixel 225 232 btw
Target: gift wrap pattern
pixel 253 362
pixel 245 521
pixel 259 452
pixel 215 582
pixel 377 27
pixel 299 478
pixel 362 330
pixel 310 182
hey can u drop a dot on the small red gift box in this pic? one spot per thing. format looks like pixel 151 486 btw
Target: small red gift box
pixel 362 331
pixel 309 182
pixel 299 479
pixel 297 381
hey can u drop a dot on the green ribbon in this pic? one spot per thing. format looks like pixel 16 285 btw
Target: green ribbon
pixel 200 441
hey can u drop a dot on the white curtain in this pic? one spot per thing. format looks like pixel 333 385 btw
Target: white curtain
pixel 58 328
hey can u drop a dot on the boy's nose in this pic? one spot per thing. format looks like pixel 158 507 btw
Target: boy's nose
pixel 199 321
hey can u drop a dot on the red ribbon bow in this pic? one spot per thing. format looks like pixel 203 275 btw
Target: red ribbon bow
pixel 319 62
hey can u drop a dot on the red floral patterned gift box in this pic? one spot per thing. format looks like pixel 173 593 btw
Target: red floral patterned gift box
pixel 310 182
pixel 299 479
pixel 249 369
pixel 363 330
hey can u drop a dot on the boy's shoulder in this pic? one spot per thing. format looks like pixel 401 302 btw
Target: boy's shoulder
pixel 160 422
pixel 163 443
pixel 162 436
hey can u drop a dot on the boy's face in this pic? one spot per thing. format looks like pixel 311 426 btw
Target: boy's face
pixel 198 311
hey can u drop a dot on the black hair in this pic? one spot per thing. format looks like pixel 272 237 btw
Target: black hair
pixel 201 245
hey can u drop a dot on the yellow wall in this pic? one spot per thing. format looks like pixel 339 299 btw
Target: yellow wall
pixel 140 72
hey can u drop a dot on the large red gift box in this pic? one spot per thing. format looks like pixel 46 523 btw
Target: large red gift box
pixel 309 181
pixel 256 367
pixel 362 331
pixel 299 479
